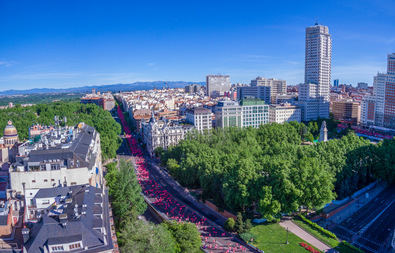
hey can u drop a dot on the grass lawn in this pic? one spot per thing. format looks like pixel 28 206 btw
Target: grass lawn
pixel 271 238
pixel 317 234
pixel 323 238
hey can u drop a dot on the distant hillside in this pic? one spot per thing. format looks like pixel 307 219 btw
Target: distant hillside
pixel 102 88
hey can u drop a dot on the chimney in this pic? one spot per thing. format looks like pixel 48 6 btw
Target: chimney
pixel 25 234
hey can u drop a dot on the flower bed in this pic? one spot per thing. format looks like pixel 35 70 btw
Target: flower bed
pixel 308 247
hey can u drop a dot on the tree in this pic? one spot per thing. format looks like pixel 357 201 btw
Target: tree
pixel 230 224
pixel 186 235
pixel 93 115
pixel 125 193
pixel 140 237
pixel 239 225
pixel 314 181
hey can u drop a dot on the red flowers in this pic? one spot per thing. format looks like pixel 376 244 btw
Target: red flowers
pixel 308 247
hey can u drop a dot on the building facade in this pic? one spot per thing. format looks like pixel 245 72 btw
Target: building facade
pixel 318 56
pixel 8 143
pixel 276 86
pixel 64 157
pixel 228 114
pixel 255 112
pixel 347 111
pixel 192 88
pixel 362 85
pixel 249 112
pixel 284 113
pixel 217 85
pixel 162 134
pixel 368 110
pixel 201 118
pixel 258 92
pixel 310 101
pixel 383 100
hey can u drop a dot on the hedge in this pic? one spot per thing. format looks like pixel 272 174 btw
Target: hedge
pixel 349 245
pixel 318 227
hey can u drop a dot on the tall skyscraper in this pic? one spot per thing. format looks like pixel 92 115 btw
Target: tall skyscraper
pixel 217 85
pixel 389 105
pixel 318 72
pixel 391 64
pixel 379 109
pixel 336 83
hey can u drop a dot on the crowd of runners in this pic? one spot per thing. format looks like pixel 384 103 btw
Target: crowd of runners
pixel 214 238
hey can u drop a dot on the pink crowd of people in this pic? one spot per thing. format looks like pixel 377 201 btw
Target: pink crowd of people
pixel 214 239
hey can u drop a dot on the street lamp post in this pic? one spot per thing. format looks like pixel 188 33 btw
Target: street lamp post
pixel 287 237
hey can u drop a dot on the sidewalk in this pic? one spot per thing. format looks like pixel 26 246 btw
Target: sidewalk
pixel 292 227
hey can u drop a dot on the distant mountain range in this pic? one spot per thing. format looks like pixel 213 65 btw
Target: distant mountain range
pixel 103 88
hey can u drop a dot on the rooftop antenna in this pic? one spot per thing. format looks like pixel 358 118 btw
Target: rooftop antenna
pixel 316 21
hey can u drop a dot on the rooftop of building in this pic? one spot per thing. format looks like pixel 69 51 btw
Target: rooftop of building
pixel 251 101
pixel 61 145
pixel 199 110
pixel 81 216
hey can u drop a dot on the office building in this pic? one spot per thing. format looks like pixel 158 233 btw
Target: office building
pixel 347 111
pixel 247 113
pixel 281 113
pixel 336 83
pixel 317 73
pixel 192 88
pixel 389 106
pixel 258 92
pixel 254 112
pixel 309 101
pixel 379 82
pixel 362 86
pixel 383 100
pixel 228 114
pixel 217 85
pixel 276 86
pixel 368 110
pixel 201 118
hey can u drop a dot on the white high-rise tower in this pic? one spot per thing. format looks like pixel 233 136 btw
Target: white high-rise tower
pixel 317 73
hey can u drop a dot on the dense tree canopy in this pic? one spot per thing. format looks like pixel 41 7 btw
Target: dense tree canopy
pixel 270 171
pixel 125 192
pixel 101 120
pixel 186 236
pixel 140 237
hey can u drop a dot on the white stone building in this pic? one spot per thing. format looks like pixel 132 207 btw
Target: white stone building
pixel 201 118
pixel 71 156
pixel 162 134
pixel 284 113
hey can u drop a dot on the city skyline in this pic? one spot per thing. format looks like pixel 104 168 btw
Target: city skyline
pixel 124 43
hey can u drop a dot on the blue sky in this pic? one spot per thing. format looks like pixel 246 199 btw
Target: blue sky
pixel 73 43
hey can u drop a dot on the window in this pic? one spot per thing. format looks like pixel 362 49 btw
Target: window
pixel 57 248
pixel 75 246
pixel 45 180
pixel 33 181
